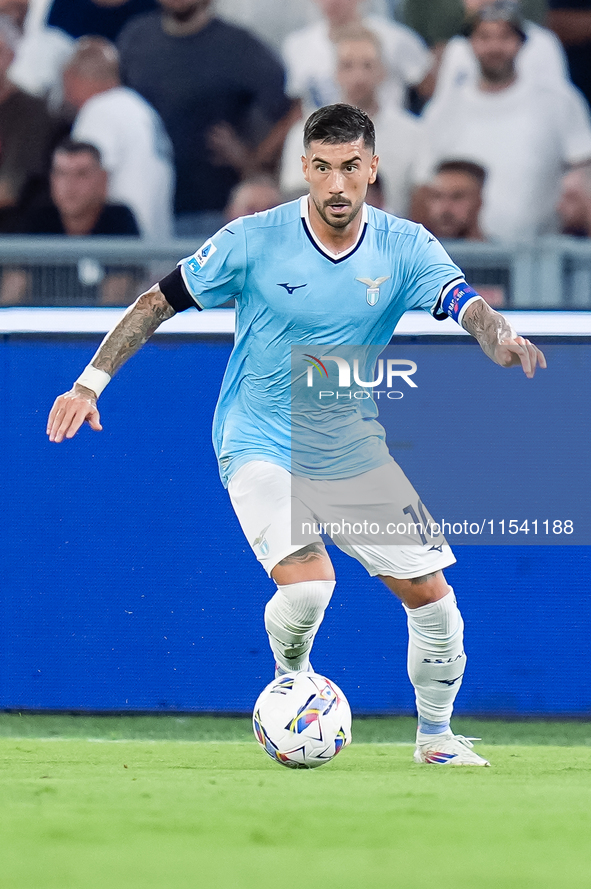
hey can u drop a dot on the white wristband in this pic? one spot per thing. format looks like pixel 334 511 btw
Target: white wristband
pixel 94 379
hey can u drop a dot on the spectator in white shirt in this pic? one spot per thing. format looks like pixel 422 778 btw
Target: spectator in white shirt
pixel 310 56
pixel 42 53
pixel 360 72
pixel 541 56
pixel 523 133
pixel 135 149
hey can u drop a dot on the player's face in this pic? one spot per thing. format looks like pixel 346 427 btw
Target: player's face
pixel 339 176
pixel 454 205
pixel 496 45
pixel 78 183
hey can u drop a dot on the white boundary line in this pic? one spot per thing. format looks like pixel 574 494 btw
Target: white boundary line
pixel 221 321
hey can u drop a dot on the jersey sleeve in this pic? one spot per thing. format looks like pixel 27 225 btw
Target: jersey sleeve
pixel 216 272
pixel 434 282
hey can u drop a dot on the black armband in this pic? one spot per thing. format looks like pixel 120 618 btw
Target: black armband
pixel 175 290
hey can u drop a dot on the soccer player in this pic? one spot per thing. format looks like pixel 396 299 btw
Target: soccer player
pixel 321 272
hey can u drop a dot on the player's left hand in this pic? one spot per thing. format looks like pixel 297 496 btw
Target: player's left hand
pixel 70 411
pixel 520 351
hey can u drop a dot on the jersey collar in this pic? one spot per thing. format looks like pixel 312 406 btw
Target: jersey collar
pixel 334 257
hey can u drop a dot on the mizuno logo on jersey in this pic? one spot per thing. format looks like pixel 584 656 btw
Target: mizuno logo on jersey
pixel 373 288
pixel 291 287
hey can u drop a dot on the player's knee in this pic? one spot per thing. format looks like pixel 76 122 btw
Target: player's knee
pixel 298 607
pixel 418 591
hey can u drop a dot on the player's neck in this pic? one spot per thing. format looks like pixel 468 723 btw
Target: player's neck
pixel 335 240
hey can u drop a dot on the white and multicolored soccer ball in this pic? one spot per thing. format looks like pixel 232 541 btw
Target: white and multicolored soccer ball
pixel 302 720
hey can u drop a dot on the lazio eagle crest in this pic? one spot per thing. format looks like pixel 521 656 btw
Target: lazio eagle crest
pixel 373 288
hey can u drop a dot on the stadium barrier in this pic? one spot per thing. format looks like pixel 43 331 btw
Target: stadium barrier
pixel 126 583
pixel 552 272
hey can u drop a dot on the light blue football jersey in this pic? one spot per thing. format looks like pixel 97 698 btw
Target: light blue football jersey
pixel 290 291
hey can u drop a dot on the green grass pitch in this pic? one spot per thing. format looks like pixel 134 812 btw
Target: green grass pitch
pixel 185 803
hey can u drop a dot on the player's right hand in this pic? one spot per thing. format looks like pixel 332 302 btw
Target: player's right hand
pixel 70 411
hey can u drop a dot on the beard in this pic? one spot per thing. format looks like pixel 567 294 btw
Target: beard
pixel 338 221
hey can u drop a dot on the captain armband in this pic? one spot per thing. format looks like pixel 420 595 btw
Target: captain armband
pixel 454 299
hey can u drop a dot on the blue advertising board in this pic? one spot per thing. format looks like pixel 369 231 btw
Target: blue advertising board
pixel 127 585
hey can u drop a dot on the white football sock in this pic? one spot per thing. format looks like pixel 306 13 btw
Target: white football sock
pixel 436 659
pixel 292 618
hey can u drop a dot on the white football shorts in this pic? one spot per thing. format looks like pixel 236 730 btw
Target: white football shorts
pixel 280 513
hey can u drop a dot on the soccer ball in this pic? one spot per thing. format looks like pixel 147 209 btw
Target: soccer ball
pixel 302 720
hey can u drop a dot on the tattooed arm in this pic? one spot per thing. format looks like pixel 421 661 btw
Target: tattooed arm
pixel 499 341
pixel 134 329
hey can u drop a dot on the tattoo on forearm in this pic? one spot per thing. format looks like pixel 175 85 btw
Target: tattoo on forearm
pixel 487 326
pixel 135 328
pixel 305 554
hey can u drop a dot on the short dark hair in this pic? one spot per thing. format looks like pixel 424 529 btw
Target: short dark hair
pixel 70 146
pixel 468 167
pixel 337 124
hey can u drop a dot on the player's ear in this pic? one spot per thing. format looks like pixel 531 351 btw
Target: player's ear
pixel 373 169
pixel 305 167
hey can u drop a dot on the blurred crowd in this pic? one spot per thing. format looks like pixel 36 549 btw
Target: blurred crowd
pixel 163 118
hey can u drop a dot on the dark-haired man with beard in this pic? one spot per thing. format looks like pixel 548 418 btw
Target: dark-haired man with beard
pixel 321 274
